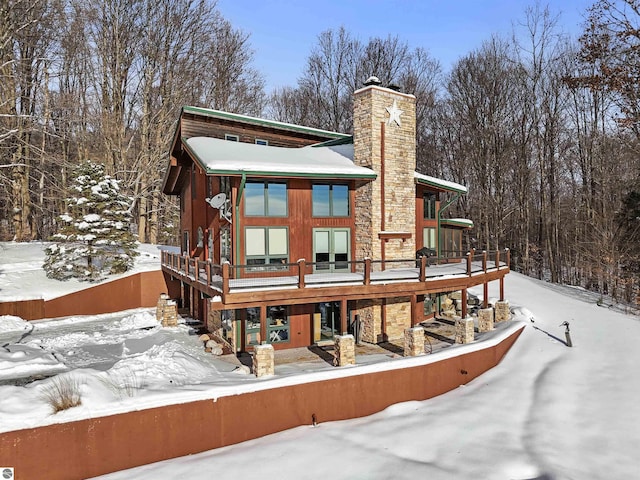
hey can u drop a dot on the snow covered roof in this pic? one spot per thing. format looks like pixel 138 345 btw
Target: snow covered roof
pixel 223 157
pixel 439 183
pixel 458 222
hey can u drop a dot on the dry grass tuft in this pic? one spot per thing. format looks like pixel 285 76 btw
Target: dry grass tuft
pixel 62 393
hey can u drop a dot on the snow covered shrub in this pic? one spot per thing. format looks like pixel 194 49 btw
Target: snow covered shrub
pixel 93 238
pixel 62 393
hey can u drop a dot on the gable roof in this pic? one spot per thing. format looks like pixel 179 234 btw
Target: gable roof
pixel 222 157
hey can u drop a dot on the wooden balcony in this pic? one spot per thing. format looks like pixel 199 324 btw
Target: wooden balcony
pixel 240 286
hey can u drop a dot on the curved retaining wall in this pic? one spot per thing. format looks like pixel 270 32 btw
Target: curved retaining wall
pixel 96 446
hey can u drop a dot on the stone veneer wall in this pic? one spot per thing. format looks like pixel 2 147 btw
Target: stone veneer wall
pixel 370 111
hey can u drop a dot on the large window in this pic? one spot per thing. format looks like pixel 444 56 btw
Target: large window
pixel 265 199
pixel 429 205
pixel 330 200
pixel 267 246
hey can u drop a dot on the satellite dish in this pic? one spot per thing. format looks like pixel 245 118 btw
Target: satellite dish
pixel 217 201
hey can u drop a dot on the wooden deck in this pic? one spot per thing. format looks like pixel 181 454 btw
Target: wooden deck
pixel 245 285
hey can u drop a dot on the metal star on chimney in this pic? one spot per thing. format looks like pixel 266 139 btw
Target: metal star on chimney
pixel 394 114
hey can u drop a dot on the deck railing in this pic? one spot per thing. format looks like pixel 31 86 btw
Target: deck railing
pixel 301 274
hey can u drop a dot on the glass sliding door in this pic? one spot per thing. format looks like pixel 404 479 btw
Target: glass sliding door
pixel 331 249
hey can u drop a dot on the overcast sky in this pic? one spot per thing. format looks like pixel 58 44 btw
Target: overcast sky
pixel 284 31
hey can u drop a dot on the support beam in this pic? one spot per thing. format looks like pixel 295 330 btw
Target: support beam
pixel 414 310
pixel 464 303
pixel 263 324
pixel 343 316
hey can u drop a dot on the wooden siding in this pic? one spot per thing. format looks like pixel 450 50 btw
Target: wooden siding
pixel 197 126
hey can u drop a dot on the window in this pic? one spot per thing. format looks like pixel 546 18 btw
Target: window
pixel 429 238
pixel 331 250
pixel 277 325
pixel 451 241
pixel 330 200
pixel 259 141
pixel 265 199
pixel 267 246
pixel 429 205
pixel 231 138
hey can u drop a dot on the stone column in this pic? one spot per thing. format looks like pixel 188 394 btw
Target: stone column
pixel 414 342
pixel 485 319
pixel 263 360
pixel 502 311
pixel 170 314
pixel 162 302
pixel 345 350
pixel 464 330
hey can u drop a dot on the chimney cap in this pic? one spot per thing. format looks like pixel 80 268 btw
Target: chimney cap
pixel 372 80
pixel 394 86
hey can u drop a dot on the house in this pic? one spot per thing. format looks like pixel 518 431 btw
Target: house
pixel 294 236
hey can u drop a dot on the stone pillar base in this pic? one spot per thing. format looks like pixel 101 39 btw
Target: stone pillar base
pixel 485 319
pixel 503 313
pixel 464 330
pixel 162 302
pixel 345 349
pixel 263 360
pixel 413 342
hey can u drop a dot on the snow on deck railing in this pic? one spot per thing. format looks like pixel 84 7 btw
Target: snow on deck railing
pixel 226 277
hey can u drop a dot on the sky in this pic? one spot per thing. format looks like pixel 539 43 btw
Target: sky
pixel 283 32
pixel 545 412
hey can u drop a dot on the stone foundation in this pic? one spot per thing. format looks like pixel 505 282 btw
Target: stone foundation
pixel 398 317
pixel 263 360
pixel 414 342
pixel 464 330
pixel 503 313
pixel 485 319
pixel 345 350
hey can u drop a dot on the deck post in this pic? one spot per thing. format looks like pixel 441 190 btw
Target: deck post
pixel 484 261
pixel 485 293
pixel 470 256
pixel 343 316
pixel 508 257
pixel 263 324
pixel 414 309
pixel 423 268
pixel 302 264
pixel 367 271
pixel 225 278
pixel 464 300
pixel 497 259
pixel 502 288
pixel 186 266
pixel 207 269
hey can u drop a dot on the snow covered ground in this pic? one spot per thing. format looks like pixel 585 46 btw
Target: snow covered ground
pixel 546 412
pixel 22 276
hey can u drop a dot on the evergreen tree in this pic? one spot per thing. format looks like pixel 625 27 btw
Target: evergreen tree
pixel 94 237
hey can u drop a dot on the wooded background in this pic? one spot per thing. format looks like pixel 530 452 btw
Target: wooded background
pixel 543 128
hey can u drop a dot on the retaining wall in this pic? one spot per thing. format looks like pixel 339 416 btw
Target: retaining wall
pixel 133 291
pixel 97 446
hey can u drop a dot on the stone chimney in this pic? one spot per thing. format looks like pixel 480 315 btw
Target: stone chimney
pixel 384 137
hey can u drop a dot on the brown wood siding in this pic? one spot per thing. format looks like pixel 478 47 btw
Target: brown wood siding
pixel 300 222
pixel 197 126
